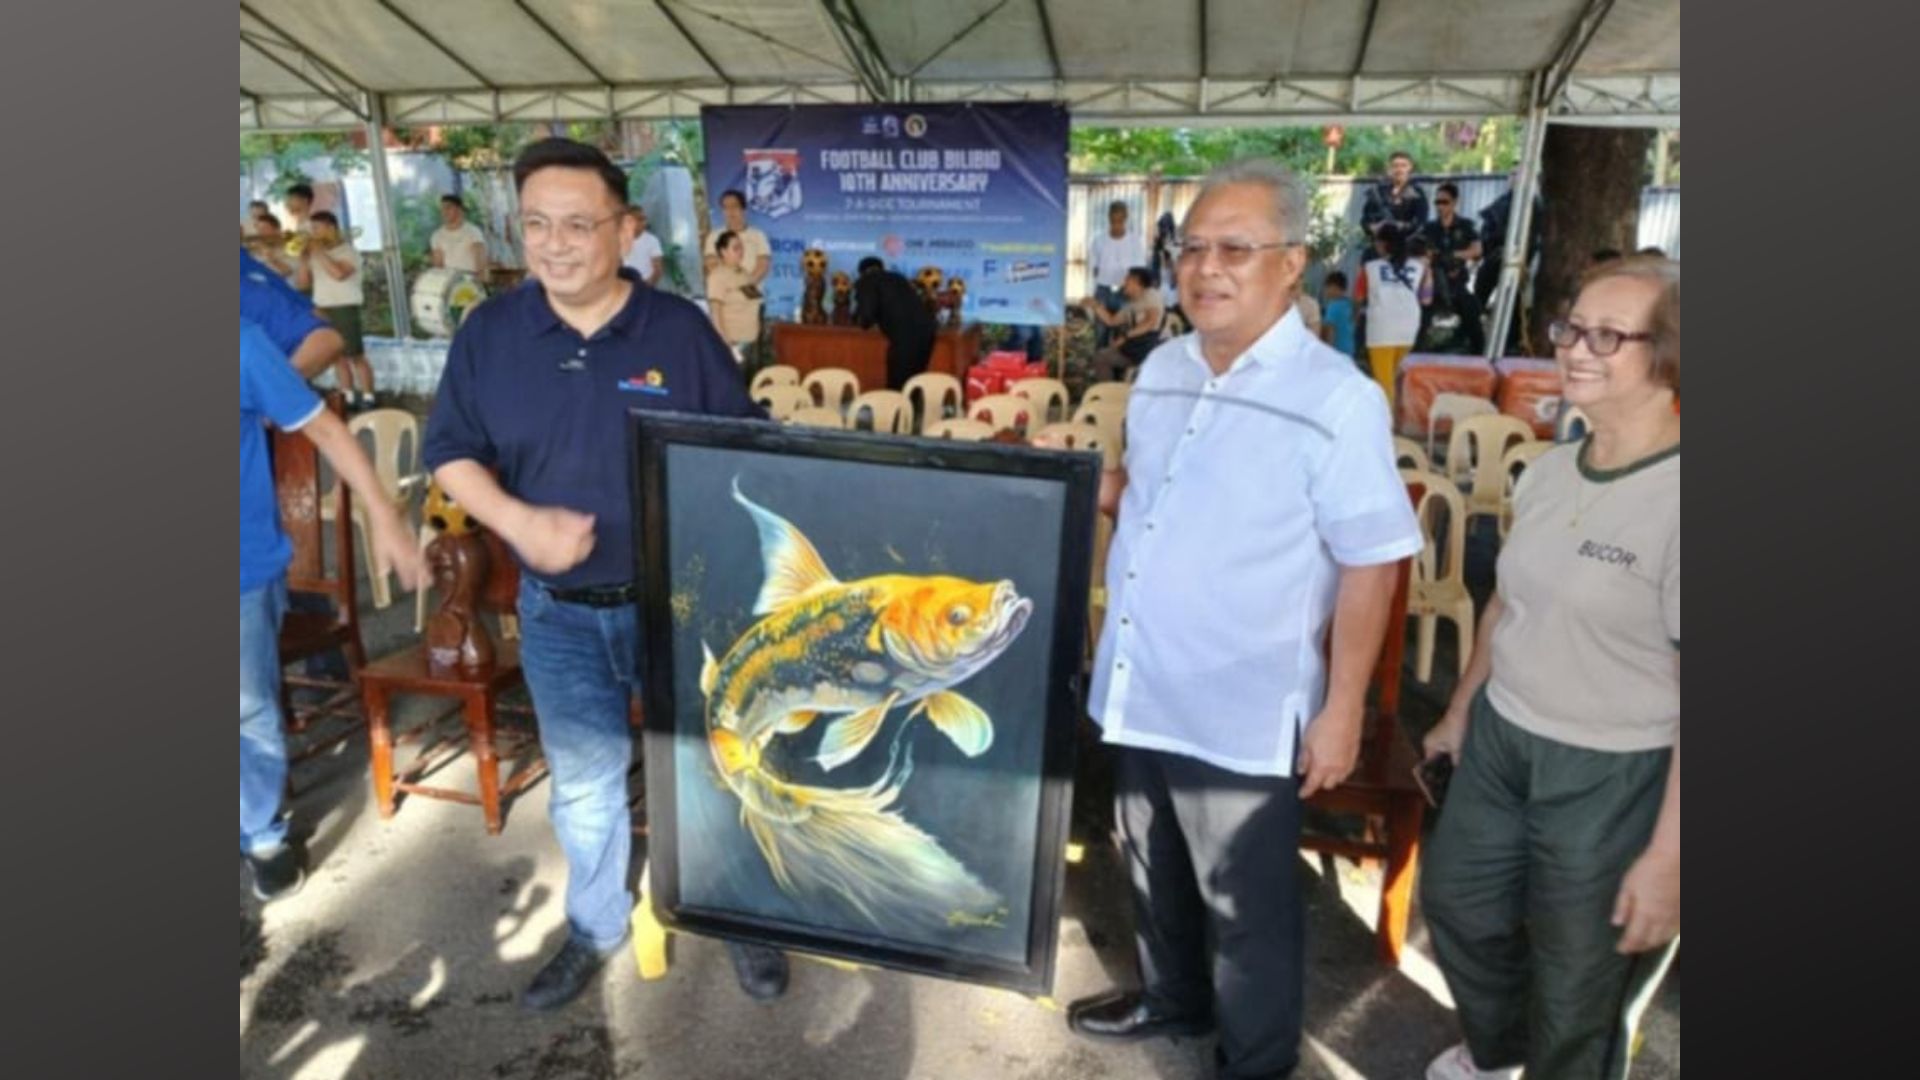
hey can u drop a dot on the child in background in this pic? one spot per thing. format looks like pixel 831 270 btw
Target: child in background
pixel 1395 287
pixel 1336 313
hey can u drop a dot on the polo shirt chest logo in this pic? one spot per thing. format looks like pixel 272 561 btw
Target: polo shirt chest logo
pixel 653 382
pixel 1612 554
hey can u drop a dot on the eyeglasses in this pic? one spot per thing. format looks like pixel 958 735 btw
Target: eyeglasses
pixel 538 229
pixel 1443 202
pixel 1232 252
pixel 1601 341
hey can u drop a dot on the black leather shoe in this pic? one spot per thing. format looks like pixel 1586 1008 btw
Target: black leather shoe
pixel 1126 1016
pixel 279 873
pixel 762 971
pixel 568 973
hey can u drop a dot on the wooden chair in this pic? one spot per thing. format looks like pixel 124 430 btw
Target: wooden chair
pixel 964 430
pixel 1005 412
pixel 886 411
pixel 1381 790
pixel 781 401
pixel 1439 575
pixel 1049 397
pixel 1408 455
pixel 478 694
pixel 815 416
pixel 933 396
pixel 304 634
pixel 773 375
pixel 1516 461
pixel 391 438
pixel 831 388
pixel 1106 391
pixel 1475 451
pixel 1452 408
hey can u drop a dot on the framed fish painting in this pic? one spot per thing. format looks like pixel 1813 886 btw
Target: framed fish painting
pixel 861 668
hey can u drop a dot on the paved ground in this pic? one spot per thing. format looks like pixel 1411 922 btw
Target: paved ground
pixel 403 955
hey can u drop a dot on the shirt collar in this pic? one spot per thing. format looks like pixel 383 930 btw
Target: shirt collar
pixel 542 319
pixel 1282 341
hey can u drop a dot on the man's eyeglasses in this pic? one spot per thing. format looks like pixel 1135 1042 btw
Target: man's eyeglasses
pixel 1232 252
pixel 538 229
pixel 1443 202
pixel 1601 340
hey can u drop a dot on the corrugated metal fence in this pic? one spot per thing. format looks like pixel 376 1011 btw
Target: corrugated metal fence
pixel 1341 197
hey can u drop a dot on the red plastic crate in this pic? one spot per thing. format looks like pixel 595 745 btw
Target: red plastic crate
pixel 1423 376
pixel 1530 390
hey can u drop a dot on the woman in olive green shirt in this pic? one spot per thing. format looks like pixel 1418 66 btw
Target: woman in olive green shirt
pixel 1552 882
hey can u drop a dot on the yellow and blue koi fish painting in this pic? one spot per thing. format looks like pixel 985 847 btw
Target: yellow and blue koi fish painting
pixel 841 659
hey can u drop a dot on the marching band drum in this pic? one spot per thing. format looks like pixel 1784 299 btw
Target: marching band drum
pixel 442 299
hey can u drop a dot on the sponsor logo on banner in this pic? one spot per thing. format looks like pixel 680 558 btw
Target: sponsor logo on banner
pixel 869 125
pixel 890 126
pixel 1029 270
pixel 916 125
pixel 773 181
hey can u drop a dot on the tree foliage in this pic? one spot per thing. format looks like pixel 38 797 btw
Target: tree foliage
pixel 1464 146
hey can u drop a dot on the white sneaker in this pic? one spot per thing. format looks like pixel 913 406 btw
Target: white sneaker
pixel 1457 1064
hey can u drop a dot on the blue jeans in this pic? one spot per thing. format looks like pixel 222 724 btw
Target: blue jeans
pixel 263 737
pixel 579 663
pixel 1113 300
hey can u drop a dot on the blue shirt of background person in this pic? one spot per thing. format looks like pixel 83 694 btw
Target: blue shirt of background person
pixel 267 301
pixel 270 391
pixel 1336 313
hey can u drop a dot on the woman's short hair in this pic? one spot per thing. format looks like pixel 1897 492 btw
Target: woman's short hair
pixel 1665 326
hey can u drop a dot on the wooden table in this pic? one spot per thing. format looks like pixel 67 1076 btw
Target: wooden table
pixel 407 672
pixel 864 352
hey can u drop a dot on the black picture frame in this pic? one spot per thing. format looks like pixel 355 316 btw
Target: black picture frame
pixel 654 438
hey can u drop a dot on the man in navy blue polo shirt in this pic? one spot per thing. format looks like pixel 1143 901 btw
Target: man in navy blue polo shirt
pixel 537 386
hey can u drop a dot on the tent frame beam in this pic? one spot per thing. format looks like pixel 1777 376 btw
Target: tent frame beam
pixel 473 72
pixel 957 38
pixel 850 31
pixel 338 88
pixel 566 46
pixel 398 296
pixel 693 42
pixel 762 35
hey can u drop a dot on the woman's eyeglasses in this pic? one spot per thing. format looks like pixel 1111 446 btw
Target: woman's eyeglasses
pixel 1601 340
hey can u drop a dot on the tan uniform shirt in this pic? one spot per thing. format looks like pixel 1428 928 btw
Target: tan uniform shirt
pixel 1588 650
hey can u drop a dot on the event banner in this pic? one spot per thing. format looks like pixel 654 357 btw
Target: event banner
pixel 977 192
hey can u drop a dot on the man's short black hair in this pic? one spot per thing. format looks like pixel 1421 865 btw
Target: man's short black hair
pixel 452 200
pixel 324 217
pixel 1653 249
pixel 555 152
pixel 871 263
pixel 733 193
pixel 726 237
pixel 1144 275
pixel 1400 155
pixel 1448 187
pixel 1116 204
pixel 1335 277
pixel 1605 255
pixel 305 191
pixel 258 205
pixel 266 217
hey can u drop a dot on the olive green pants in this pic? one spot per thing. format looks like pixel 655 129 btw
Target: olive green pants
pixel 1518 885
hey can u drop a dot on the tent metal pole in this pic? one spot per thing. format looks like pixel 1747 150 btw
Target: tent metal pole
pixel 1519 225
pixel 389 226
